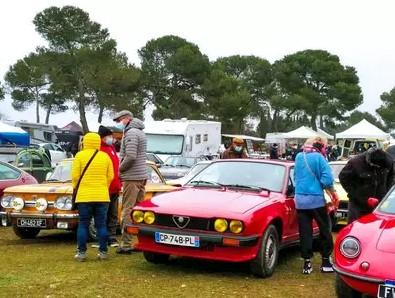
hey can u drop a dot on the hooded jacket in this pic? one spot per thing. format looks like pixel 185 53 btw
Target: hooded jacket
pixel 230 153
pixel 97 179
pixel 362 178
pixel 132 153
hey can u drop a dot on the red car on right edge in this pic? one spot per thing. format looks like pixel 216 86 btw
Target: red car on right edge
pixel 365 254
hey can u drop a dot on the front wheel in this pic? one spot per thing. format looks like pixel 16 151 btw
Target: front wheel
pixel 155 257
pixel 26 233
pixel 265 261
pixel 343 290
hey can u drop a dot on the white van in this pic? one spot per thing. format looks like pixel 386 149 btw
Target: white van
pixel 188 138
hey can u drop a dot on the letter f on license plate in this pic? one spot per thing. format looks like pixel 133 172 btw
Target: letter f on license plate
pixel 387 290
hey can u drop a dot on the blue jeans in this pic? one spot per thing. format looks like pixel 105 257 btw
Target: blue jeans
pixel 99 212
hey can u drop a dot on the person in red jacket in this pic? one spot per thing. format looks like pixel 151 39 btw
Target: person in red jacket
pixel 107 145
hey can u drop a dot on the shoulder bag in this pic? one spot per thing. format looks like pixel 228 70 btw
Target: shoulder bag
pixel 75 190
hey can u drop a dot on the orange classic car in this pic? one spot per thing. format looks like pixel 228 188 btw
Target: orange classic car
pixel 31 208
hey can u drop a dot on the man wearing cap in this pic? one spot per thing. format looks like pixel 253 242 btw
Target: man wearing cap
pixel 235 150
pixel 133 170
pixel 107 146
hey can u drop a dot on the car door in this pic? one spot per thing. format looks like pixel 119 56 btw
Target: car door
pixel 41 166
pixel 290 210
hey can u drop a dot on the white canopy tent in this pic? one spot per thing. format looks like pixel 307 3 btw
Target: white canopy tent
pixel 304 132
pixel 363 130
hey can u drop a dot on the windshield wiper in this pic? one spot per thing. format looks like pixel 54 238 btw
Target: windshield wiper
pixel 52 180
pixel 199 182
pixel 257 188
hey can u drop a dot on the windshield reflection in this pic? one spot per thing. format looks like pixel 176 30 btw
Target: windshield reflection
pixel 62 173
pixel 243 173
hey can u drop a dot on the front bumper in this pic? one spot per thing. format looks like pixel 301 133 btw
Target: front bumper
pixel 53 220
pixel 212 244
pixel 364 284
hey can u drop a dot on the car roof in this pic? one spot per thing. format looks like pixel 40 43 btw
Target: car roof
pixel 287 163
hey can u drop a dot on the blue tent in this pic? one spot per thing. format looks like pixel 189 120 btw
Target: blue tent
pixel 13 135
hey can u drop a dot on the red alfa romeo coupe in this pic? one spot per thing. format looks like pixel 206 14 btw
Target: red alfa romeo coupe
pixel 365 254
pixel 234 210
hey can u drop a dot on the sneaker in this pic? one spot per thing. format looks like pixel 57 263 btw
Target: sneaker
pixel 113 242
pixel 326 266
pixel 80 256
pixel 124 251
pixel 307 267
pixel 95 245
pixel 102 255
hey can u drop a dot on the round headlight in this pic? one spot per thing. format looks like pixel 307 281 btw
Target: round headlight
pixel 350 247
pixel 18 204
pixel 138 216
pixel 236 226
pixel 63 203
pixel 6 201
pixel 149 217
pixel 68 205
pixel 41 204
pixel 220 225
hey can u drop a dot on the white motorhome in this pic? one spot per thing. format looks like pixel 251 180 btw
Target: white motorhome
pixel 189 138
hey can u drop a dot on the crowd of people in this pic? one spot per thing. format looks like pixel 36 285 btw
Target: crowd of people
pixel 97 177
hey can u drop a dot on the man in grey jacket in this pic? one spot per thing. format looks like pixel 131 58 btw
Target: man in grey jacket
pixel 133 170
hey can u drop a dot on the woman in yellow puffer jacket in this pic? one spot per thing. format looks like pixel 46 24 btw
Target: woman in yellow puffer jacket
pixel 92 197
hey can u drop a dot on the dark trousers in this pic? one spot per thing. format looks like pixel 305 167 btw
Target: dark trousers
pixel 112 215
pixel 354 212
pixel 99 213
pixel 305 219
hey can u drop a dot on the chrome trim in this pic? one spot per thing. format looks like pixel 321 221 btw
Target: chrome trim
pixel 358 277
pixel 70 216
pixel 32 215
pixel 3 213
pixel 33 204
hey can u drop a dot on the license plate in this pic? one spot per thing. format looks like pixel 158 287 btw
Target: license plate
pixel 181 240
pixel 31 223
pixel 387 290
pixel 340 214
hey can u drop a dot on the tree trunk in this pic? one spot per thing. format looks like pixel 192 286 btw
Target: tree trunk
pixel 48 114
pixel 275 121
pixel 81 110
pixel 321 121
pixel 313 122
pixel 101 111
pixel 37 111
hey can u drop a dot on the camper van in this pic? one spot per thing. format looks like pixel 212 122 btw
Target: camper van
pixel 188 138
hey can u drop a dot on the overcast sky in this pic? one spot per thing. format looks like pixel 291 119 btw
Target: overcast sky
pixel 360 32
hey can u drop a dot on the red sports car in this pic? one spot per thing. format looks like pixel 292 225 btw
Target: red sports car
pixel 234 210
pixel 365 254
pixel 12 176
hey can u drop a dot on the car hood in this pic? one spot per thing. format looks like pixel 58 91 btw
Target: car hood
pixel 61 188
pixel 201 202
pixel 173 170
pixel 386 241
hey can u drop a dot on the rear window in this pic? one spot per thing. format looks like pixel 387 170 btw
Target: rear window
pixel 8 173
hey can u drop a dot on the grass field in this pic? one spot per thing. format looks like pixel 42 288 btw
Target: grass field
pixel 45 267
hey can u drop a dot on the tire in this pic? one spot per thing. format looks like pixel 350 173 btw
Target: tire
pixel 155 257
pixel 26 233
pixel 266 259
pixel 345 291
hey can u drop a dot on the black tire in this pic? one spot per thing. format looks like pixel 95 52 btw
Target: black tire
pixel 155 257
pixel 26 233
pixel 265 261
pixel 345 291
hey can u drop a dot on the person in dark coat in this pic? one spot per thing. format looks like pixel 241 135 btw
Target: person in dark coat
pixel 235 150
pixel 369 174
pixel 274 151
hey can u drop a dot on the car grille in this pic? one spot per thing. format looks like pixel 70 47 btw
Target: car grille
pixel 195 223
pixel 343 205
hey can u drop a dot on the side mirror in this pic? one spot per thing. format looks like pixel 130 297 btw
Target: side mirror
pixel 290 190
pixel 373 202
pixel 48 175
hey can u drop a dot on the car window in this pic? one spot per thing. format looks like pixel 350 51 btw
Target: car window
pixel 244 173
pixel 37 161
pixel 48 146
pixel 336 169
pixel 153 176
pixel 58 148
pixel 388 204
pixel 24 160
pixel 8 173
pixel 292 176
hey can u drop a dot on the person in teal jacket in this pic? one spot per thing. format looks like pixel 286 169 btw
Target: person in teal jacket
pixel 312 175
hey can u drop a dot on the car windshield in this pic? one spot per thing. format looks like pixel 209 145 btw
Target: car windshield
pixel 164 144
pixel 179 161
pixel 336 169
pixel 62 172
pixel 243 174
pixel 388 205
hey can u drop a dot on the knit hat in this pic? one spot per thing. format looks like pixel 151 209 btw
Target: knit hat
pixel 104 131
